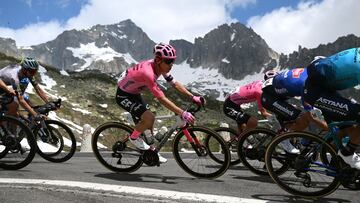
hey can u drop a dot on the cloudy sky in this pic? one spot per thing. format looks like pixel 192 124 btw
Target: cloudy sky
pixel 284 24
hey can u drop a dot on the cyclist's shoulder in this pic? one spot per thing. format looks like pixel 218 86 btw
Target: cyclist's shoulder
pixel 11 67
pixel 10 70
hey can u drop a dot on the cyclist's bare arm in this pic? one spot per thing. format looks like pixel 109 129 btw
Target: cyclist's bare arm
pixel 303 121
pixel 41 93
pixel 25 105
pixel 264 113
pixel 5 88
pixel 179 87
pixel 170 105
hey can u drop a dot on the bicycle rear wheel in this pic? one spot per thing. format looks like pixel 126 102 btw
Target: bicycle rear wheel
pixel 308 176
pixel 195 158
pixel 17 144
pixel 113 149
pixel 56 142
pixel 231 138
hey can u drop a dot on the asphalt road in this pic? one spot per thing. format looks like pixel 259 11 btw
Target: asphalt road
pixel 84 179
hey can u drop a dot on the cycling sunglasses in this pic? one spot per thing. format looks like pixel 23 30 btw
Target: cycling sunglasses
pixel 31 71
pixel 169 61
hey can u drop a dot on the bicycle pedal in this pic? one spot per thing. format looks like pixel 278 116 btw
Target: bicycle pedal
pixel 116 155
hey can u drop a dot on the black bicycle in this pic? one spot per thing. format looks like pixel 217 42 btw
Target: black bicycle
pixel 54 140
pixel 232 138
pixel 316 170
pixel 17 143
pixel 111 146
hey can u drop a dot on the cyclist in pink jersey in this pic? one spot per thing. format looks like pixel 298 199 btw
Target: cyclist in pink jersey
pixel 244 94
pixel 143 76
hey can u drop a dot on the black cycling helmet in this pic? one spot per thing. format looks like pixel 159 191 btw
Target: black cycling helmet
pixel 29 64
pixel 269 74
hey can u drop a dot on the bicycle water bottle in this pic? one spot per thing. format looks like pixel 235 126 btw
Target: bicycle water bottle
pixel 149 138
pixel 160 134
pixel 274 123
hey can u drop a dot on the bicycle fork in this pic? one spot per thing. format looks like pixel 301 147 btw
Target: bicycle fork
pixel 196 145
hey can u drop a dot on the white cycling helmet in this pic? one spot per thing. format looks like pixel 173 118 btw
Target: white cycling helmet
pixel 269 74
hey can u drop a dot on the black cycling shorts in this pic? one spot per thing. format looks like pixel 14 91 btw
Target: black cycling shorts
pixel 235 112
pixel 133 103
pixel 278 105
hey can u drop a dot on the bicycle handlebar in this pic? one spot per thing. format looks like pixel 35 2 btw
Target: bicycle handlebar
pixel 46 108
pixel 193 110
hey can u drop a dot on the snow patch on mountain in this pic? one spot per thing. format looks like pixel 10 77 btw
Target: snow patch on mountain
pixel 209 79
pixel 90 53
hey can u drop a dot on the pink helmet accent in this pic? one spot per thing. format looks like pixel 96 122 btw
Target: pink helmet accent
pixel 165 51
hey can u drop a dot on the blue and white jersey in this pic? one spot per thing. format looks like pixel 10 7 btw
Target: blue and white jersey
pixel 290 83
pixel 10 76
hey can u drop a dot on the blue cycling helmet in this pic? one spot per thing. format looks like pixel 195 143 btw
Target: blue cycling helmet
pixel 29 64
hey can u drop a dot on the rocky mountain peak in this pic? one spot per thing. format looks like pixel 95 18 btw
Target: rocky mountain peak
pixel 8 46
pixel 234 50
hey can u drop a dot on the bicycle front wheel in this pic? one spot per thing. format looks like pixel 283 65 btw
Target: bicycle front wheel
pixel 231 138
pixel 252 148
pixel 56 142
pixel 17 144
pixel 194 157
pixel 111 146
pixel 307 175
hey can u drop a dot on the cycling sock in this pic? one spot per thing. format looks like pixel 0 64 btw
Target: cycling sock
pixel 135 135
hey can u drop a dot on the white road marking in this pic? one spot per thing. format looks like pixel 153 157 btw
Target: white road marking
pixel 162 194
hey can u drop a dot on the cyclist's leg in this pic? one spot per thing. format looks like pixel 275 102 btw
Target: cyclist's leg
pixel 12 107
pixel 334 107
pixel 243 120
pixel 138 109
pixel 278 105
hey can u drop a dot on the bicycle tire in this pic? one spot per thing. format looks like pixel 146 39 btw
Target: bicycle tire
pixel 11 160
pixel 187 156
pixel 3 152
pixel 232 144
pixel 294 188
pixel 107 141
pixel 253 158
pixel 62 152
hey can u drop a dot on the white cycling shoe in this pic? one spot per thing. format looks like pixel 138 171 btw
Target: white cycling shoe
pixel 353 160
pixel 162 159
pixel 288 147
pixel 139 143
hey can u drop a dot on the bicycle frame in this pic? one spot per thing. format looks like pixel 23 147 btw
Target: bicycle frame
pixel 331 135
pixel 180 124
pixel 172 129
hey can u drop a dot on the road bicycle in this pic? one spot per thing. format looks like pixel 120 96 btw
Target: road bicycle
pixel 111 146
pixel 317 170
pixel 249 147
pixel 55 141
pixel 17 143
pixel 232 137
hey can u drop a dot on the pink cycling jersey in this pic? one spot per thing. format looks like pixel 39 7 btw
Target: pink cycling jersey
pixel 248 93
pixel 139 77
